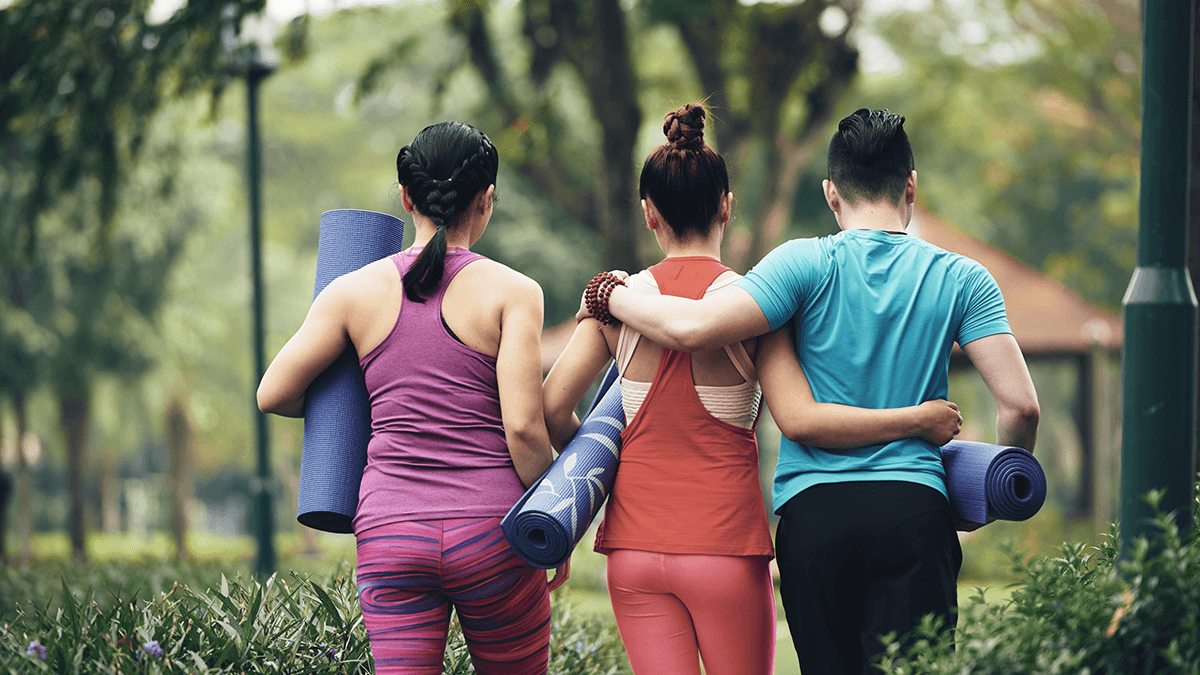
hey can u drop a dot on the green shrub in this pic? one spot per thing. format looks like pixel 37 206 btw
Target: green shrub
pixel 987 558
pixel 110 622
pixel 1082 611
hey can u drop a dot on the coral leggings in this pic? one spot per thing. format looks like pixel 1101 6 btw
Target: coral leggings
pixel 670 608
pixel 411 573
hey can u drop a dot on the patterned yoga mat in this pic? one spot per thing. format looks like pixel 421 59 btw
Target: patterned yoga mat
pixel 544 526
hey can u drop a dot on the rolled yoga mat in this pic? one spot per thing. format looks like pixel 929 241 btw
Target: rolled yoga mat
pixel 544 526
pixel 337 413
pixel 990 482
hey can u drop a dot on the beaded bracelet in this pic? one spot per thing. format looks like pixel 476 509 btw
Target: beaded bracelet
pixel 596 295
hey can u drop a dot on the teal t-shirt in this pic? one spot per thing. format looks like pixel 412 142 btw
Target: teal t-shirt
pixel 876 315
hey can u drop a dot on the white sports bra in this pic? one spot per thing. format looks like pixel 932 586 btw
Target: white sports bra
pixel 735 404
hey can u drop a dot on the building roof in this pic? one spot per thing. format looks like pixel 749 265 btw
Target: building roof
pixel 1047 318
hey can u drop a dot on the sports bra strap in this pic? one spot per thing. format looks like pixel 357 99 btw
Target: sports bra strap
pixel 741 360
pixel 627 342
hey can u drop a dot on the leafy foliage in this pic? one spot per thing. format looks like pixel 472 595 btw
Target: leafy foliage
pixel 81 82
pixel 1026 128
pixel 1086 610
pixel 134 619
pixel 571 86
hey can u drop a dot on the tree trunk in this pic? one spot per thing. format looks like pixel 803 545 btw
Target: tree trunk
pixel 179 445
pixel 23 495
pixel 612 89
pixel 110 493
pixel 6 490
pixel 788 156
pixel 74 412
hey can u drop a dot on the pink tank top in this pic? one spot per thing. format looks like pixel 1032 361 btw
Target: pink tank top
pixel 437 446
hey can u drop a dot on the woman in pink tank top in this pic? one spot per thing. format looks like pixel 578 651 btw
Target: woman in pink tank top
pixel 449 342
pixel 685 527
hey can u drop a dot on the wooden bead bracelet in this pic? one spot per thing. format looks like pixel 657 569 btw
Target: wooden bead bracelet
pixel 596 295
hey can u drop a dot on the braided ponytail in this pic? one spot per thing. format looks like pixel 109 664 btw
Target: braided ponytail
pixel 444 169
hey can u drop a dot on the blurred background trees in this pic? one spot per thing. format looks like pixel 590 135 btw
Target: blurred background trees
pixel 124 292
pixel 773 74
pixel 83 82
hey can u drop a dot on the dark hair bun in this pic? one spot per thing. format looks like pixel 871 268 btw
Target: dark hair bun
pixel 684 127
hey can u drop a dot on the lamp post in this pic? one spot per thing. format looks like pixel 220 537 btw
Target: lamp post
pixel 247 60
pixel 1159 366
pixel 257 70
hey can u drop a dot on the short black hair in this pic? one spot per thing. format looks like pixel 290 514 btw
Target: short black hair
pixel 870 157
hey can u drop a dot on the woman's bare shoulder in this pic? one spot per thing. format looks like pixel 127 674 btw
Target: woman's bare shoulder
pixel 365 284
pixel 502 279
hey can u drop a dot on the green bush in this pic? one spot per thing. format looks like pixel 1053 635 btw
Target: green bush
pixel 987 560
pixel 1082 611
pixel 131 620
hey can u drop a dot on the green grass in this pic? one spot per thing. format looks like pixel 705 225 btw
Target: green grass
pixel 585 593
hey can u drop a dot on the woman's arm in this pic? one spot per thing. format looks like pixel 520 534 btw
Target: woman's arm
pixel 519 378
pixel 802 419
pixel 321 339
pixel 576 368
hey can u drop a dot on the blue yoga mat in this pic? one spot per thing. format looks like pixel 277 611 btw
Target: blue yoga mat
pixel 337 413
pixel 990 482
pixel 544 526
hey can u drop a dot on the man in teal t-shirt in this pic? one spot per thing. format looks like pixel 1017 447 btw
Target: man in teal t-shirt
pixel 865 542
pixel 871 343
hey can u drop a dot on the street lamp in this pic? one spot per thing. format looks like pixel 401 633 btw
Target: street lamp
pixel 1159 365
pixel 255 64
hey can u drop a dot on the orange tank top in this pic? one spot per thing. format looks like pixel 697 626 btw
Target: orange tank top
pixel 687 482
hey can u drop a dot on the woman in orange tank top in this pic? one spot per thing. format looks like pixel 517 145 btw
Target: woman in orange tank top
pixel 685 529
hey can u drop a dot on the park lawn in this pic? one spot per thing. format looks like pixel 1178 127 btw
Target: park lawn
pixel 585 592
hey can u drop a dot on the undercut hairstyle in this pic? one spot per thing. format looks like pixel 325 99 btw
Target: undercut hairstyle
pixel 685 177
pixel 444 169
pixel 870 157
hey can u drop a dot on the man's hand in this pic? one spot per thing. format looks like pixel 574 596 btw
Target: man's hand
pixel 583 312
pixel 561 574
pixel 940 421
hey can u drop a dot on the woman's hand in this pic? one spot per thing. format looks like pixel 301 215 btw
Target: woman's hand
pixel 940 421
pixel 561 574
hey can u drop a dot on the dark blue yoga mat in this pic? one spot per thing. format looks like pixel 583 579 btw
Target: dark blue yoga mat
pixel 337 413
pixel 990 482
pixel 544 526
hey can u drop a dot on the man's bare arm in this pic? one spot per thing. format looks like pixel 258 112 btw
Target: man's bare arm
pixel 720 318
pixel 999 360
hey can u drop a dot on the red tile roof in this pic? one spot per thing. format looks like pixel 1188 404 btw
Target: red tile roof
pixel 1046 317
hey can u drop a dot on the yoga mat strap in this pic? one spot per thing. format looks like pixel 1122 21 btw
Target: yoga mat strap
pixel 988 482
pixel 337 411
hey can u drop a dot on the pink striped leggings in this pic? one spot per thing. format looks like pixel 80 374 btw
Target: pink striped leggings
pixel 670 608
pixel 411 573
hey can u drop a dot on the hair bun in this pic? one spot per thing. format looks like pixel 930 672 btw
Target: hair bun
pixel 684 127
